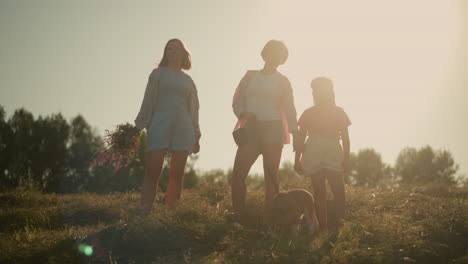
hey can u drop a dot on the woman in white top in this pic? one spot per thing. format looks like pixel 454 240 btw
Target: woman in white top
pixel 264 105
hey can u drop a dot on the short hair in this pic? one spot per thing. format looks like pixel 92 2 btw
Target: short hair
pixel 323 91
pixel 275 48
pixel 187 60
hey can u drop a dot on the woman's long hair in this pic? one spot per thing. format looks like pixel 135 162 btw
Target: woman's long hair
pixel 322 89
pixel 186 61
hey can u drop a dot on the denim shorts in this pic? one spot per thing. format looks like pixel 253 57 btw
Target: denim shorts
pixel 265 132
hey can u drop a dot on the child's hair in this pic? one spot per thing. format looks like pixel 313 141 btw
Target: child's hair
pixel 322 90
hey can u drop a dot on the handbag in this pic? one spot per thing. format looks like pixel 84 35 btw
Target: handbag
pixel 240 136
pixel 245 133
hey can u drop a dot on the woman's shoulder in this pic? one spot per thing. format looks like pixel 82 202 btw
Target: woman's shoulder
pixel 185 74
pixel 248 76
pixel 156 71
pixel 164 69
pixel 188 77
pixel 282 76
pixel 284 80
pixel 250 73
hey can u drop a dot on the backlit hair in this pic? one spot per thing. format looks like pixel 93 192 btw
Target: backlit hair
pixel 322 89
pixel 275 48
pixel 186 61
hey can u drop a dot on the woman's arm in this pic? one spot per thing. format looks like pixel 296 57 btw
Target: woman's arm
pixel 142 119
pixel 298 145
pixel 288 104
pixel 346 149
pixel 239 99
pixel 194 107
pixel 298 140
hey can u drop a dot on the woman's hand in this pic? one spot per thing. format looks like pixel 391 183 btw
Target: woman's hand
pixel 196 148
pixel 136 130
pixel 298 164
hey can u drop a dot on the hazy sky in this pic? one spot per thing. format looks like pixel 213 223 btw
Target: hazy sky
pixel 400 68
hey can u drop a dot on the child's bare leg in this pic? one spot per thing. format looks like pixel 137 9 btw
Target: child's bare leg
pixel 335 179
pixel 320 197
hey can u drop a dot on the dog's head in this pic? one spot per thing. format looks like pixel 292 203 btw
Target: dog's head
pixel 284 210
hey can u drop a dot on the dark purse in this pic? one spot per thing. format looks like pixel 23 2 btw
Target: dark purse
pixel 240 136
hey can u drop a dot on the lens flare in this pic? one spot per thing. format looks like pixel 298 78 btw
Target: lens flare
pixel 85 249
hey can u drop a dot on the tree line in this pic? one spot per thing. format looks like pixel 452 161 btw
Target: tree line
pixel 412 166
pixel 51 154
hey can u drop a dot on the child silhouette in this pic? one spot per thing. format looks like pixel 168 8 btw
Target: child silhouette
pixel 322 157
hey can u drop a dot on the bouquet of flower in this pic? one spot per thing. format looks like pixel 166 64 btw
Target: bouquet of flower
pixel 122 145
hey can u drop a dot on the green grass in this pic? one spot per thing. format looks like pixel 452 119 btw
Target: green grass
pixel 412 224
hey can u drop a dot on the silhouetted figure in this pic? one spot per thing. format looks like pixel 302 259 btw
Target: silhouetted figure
pixel 322 157
pixel 264 105
pixel 169 113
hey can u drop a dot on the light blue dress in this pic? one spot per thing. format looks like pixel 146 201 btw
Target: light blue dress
pixel 171 125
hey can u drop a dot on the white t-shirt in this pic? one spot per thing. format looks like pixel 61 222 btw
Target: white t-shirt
pixel 263 94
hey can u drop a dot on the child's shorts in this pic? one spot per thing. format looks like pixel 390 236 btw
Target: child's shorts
pixel 322 153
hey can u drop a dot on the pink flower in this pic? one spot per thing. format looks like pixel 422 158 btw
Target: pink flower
pixel 122 145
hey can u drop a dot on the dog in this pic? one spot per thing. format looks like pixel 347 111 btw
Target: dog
pixel 288 209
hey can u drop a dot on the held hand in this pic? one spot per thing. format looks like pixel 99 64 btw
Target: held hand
pixel 298 168
pixel 346 166
pixel 136 130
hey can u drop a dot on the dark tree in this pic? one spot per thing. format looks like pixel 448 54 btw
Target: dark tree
pixel 6 153
pixel 425 165
pixel 83 144
pixel 21 145
pixel 368 169
pixel 50 159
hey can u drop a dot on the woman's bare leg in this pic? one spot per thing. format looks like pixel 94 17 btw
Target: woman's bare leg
pixel 271 162
pixel 245 157
pixel 153 166
pixel 176 177
pixel 320 197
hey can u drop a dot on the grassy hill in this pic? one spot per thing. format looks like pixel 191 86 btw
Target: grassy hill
pixel 412 224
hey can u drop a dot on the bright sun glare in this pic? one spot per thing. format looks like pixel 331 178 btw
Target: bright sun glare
pixel 382 56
